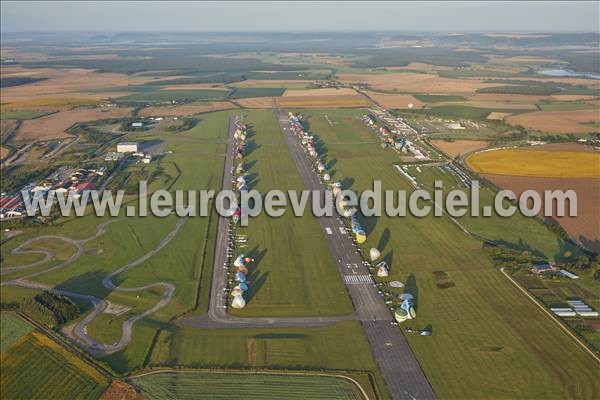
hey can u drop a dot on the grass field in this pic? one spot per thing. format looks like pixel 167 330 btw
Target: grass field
pixel 198 156
pixel 341 347
pixel 246 92
pixel 295 273
pixel 211 385
pixel 12 329
pixel 523 162
pixel 486 330
pixel 38 367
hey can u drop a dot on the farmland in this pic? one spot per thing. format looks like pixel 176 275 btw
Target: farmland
pixel 34 366
pixel 459 147
pixel 199 385
pixel 13 328
pixel 186 109
pixel 54 126
pixel 481 341
pixel 557 121
pixel 525 162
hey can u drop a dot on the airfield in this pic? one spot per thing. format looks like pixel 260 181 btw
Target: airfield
pixel 154 292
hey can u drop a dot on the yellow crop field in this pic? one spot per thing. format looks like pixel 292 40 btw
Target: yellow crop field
pixel 550 164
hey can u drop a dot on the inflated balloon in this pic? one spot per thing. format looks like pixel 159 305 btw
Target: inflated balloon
pixel 374 254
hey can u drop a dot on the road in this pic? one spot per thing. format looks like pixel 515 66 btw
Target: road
pixel 400 369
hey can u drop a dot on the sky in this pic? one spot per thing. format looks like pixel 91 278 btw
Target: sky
pixel 247 16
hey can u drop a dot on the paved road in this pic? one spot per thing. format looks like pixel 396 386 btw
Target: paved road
pixel 217 316
pixel 399 367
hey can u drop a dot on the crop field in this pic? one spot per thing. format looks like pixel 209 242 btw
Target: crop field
pixel 497 116
pixel 588 196
pixel 257 102
pixel 483 326
pixel 207 385
pixel 416 83
pixel 38 367
pixel 526 162
pixel 459 147
pixel 295 274
pixel 54 126
pixel 21 114
pixel 460 111
pixel 341 347
pixel 573 121
pixel 186 109
pixel 13 328
pixel 395 100
pixel 438 98
pixel 171 95
pixel 322 98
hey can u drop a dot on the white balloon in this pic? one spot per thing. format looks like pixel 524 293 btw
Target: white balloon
pixel 374 254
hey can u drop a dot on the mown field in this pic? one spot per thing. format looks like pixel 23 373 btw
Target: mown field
pixel 226 385
pixel 524 162
pixel 341 347
pixel 486 338
pixel 33 366
pixel 294 273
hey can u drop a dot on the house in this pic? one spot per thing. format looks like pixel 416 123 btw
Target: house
pixel 542 268
pixel 137 124
pixel 455 126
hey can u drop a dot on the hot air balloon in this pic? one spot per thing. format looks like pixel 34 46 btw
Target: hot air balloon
pixel 326 177
pixel 240 277
pixel 407 309
pixel 382 270
pixel 374 254
pixel 243 286
pixel 238 302
pixel 248 260
pixel 237 291
pixel 239 261
pixel 243 269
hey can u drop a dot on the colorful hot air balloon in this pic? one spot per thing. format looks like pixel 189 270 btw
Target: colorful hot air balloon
pixel 240 277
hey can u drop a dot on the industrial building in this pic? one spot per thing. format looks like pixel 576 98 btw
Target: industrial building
pixel 127 147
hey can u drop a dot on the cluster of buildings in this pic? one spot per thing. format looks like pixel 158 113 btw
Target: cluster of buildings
pixel 128 148
pixel 395 132
pixel 575 308
pixel 66 181
pixel 545 269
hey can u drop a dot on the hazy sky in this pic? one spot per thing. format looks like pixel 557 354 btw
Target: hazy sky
pixel 23 16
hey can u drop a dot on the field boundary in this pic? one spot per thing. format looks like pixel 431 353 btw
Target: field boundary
pixel 242 372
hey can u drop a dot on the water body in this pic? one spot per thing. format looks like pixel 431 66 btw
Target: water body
pixel 568 73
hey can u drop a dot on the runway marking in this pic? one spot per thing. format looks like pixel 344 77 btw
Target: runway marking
pixel 358 279
pixel 328 230
pixel 342 230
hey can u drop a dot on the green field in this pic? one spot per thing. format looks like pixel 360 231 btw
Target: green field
pixel 295 274
pixel 12 328
pixel 483 327
pixel 564 105
pixel 341 347
pixel 438 98
pixel 207 385
pixel 243 92
pixel 38 368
